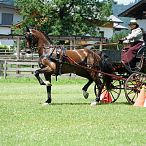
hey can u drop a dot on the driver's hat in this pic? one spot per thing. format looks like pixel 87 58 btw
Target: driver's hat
pixel 133 22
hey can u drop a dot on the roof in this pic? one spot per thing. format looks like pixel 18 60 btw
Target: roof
pixel 7 6
pixel 137 11
pixel 114 19
pixel 118 26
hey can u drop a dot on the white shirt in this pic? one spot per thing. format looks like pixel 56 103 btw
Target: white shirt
pixel 134 36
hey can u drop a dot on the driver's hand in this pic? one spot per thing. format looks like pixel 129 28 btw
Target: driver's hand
pixel 121 41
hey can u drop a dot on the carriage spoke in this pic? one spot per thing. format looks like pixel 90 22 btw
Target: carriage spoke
pixel 114 91
pixel 112 95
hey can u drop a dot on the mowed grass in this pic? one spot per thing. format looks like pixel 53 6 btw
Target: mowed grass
pixel 70 120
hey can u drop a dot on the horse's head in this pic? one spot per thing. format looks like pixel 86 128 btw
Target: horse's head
pixel 36 39
pixel 31 40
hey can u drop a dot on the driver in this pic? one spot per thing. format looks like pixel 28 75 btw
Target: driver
pixel 134 42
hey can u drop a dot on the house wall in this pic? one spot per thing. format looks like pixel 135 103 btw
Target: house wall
pixel 16 18
pixel 108 32
pixel 142 23
pixel 6 29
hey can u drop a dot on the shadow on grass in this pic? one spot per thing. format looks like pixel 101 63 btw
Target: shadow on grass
pixel 120 103
pixel 70 103
pixel 115 103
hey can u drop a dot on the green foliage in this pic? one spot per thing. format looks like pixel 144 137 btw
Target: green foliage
pixel 65 17
pixel 119 35
pixel 105 9
pixel 3 47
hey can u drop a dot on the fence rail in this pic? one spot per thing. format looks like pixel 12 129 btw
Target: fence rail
pixel 18 68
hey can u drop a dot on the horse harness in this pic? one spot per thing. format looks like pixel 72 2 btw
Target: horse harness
pixel 56 55
pixel 59 57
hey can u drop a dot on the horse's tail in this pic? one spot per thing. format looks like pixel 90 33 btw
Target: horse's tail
pixel 107 67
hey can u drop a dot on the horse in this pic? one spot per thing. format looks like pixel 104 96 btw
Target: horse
pixel 54 61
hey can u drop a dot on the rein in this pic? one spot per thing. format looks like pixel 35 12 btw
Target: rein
pixel 97 71
pixel 74 63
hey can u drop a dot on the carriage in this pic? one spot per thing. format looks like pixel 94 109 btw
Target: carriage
pixel 130 81
pixel 87 63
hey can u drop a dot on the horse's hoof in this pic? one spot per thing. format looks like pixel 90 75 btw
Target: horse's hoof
pixel 45 104
pixel 94 103
pixel 85 94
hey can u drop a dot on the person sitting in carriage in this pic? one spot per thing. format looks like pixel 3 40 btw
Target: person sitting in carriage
pixel 134 41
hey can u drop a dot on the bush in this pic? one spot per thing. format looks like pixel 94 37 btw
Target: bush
pixel 4 48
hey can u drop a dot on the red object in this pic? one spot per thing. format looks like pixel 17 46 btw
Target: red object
pixel 128 54
pixel 105 97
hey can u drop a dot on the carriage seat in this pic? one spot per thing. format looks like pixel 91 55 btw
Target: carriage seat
pixel 114 55
pixel 141 51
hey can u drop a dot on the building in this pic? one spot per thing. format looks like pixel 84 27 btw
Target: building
pixel 138 12
pixel 117 23
pixel 108 27
pixel 8 16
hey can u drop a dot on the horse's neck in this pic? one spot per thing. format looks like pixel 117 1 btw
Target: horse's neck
pixel 43 44
pixel 46 49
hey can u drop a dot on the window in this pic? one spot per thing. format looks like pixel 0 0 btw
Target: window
pixel 7 19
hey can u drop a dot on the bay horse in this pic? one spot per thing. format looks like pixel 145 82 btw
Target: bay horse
pixel 70 61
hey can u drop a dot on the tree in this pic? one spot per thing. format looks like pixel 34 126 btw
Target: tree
pixel 63 17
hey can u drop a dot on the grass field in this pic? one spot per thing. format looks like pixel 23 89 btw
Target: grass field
pixel 69 121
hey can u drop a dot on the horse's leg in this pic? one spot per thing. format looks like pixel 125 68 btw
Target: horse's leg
pixel 48 78
pixel 37 72
pixel 85 88
pixel 100 86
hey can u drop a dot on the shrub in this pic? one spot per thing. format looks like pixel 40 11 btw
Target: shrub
pixel 4 48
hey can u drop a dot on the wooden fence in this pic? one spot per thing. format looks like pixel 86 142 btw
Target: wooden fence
pixel 18 68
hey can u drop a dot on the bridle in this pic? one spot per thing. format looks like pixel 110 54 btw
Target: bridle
pixel 32 41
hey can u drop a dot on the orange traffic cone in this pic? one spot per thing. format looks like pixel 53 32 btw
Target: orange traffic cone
pixel 141 98
pixel 105 97
pixel 145 100
pixel 144 103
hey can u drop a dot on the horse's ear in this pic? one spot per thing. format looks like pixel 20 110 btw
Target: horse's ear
pixel 27 29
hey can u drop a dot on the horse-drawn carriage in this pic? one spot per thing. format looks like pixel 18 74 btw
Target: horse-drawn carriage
pixel 130 81
pixel 111 76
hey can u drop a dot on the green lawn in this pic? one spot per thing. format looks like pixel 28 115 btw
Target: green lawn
pixel 69 121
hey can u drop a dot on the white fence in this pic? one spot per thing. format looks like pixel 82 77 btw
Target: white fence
pixel 18 68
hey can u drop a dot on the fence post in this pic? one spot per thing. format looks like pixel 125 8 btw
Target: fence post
pixel 74 44
pixel 5 69
pixel 100 46
pixel 1 67
pixel 18 48
pixel 71 44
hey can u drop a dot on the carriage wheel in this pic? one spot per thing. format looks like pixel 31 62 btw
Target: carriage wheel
pixel 133 86
pixel 114 91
